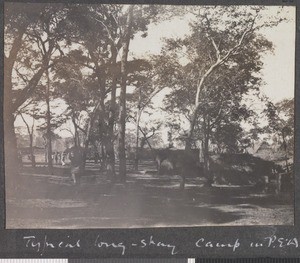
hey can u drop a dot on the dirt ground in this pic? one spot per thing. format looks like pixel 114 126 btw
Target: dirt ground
pixel 145 200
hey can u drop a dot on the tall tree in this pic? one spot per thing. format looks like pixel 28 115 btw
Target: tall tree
pixel 104 31
pixel 99 32
pixel 141 76
pixel 17 23
pixel 22 73
pixel 281 123
pixel 223 54
pixel 122 112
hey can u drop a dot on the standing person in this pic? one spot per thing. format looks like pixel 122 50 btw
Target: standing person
pixel 76 158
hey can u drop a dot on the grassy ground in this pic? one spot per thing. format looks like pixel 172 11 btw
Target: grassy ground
pixel 145 200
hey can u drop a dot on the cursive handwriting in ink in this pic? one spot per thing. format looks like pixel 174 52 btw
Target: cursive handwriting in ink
pixel 103 244
pixel 150 242
pixel 41 245
pixel 209 244
pixel 275 242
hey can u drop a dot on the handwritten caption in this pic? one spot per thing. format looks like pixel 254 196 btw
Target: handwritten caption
pixel 44 244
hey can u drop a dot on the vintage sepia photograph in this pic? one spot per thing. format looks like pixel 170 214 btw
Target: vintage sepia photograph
pixel 138 116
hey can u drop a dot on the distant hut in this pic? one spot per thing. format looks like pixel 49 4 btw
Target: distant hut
pixel 270 153
pixel 264 151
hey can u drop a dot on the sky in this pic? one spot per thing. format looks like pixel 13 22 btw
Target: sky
pixel 279 67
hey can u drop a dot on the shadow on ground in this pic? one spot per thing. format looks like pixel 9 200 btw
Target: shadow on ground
pixel 145 200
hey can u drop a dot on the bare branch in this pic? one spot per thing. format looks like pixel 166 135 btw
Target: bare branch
pixel 145 136
pixel 22 76
pixel 106 28
pixel 223 59
pixel 78 127
pixel 153 93
pixel 27 125
pixel 24 106
pixel 239 44
pixel 217 118
pixel 218 54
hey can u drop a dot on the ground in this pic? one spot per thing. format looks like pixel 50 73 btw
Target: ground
pixel 145 200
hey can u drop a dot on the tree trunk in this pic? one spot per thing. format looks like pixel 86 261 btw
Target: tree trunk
pixel 206 128
pixel 188 142
pixel 122 113
pixel 137 130
pixel 87 141
pixel 200 86
pixel 110 150
pixel 76 136
pixel 188 146
pixel 136 157
pixel 31 144
pixel 46 153
pixel 88 135
pixel 84 155
pixel 103 121
pixel 12 162
pixel 30 134
pixel 110 154
pixel 48 119
pixel 206 155
pixel 285 152
pixel 31 150
pixel 110 157
pixel 103 157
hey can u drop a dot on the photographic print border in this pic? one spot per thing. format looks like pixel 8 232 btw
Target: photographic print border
pixel 14 243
